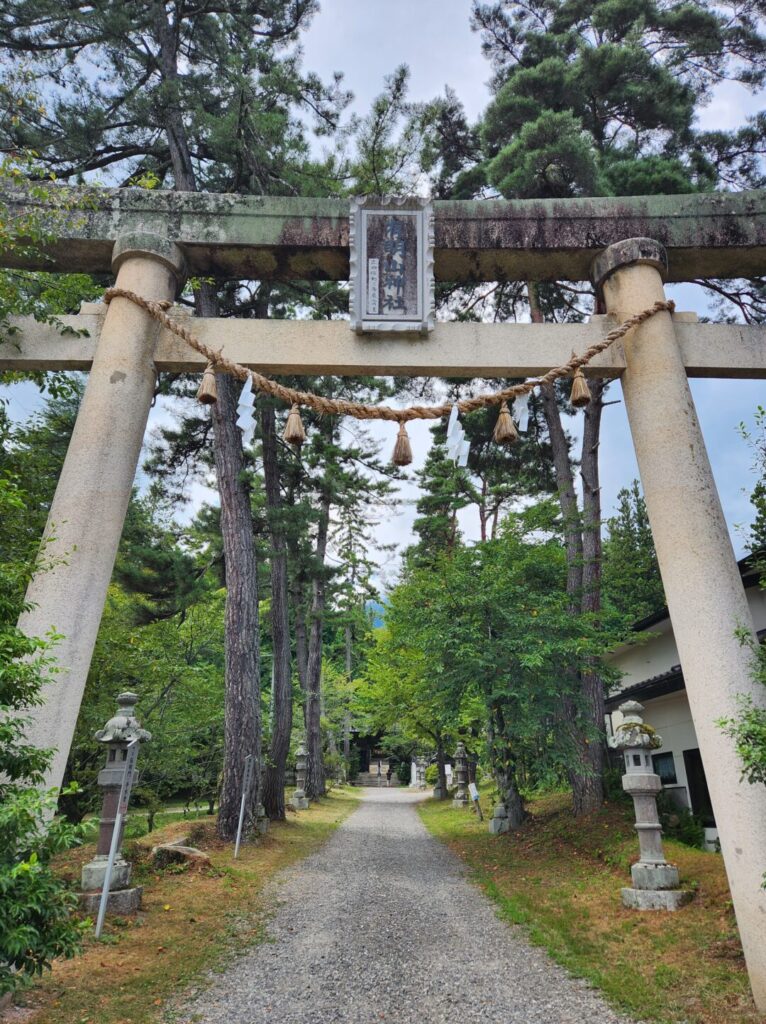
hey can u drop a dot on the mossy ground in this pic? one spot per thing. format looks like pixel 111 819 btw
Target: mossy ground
pixel 189 922
pixel 560 878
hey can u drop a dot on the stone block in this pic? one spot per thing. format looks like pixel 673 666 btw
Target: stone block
pixel 178 853
pixel 124 901
pixel 654 876
pixel 93 874
pixel 460 801
pixel 656 899
pixel 299 803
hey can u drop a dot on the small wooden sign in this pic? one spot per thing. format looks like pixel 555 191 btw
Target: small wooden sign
pixel 391 259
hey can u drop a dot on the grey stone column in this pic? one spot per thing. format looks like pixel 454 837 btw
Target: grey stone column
pixel 299 801
pixel 706 599
pixel 88 510
pixel 460 798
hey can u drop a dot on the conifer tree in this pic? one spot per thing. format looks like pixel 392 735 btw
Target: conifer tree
pixel 149 115
pixel 590 100
pixel 632 583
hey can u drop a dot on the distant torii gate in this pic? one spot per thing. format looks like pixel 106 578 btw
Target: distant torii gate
pixel 626 246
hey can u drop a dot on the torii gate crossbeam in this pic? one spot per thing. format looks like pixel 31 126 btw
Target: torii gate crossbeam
pixel 153 238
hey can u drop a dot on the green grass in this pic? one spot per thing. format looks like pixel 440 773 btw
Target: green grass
pixel 560 879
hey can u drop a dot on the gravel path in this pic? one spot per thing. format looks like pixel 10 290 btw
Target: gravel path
pixel 381 925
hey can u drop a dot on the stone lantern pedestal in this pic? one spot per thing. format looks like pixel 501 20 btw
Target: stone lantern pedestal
pixel 655 881
pixel 498 823
pixel 118 732
pixel 460 798
pixel 299 801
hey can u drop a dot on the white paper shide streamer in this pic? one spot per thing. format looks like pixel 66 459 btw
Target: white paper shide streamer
pixel 245 417
pixel 458 446
pixel 520 411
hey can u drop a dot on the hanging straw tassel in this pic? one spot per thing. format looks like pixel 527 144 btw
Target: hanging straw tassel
pixel 208 394
pixel 402 449
pixel 294 429
pixel 580 395
pixel 505 429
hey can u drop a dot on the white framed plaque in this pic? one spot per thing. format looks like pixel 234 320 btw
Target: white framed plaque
pixel 391 256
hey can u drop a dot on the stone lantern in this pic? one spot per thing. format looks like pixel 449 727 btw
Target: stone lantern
pixel 118 732
pixel 655 882
pixel 299 800
pixel 421 772
pixel 461 770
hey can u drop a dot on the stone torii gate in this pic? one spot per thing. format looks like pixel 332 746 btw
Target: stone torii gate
pixel 626 246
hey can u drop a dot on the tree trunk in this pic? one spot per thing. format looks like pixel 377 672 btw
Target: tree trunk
pixel 301 638
pixel 315 785
pixel 583 712
pixel 347 717
pixel 504 768
pixel 282 695
pixel 588 787
pixel 440 763
pixel 242 717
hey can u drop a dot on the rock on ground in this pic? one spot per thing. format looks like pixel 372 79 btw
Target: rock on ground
pixel 382 925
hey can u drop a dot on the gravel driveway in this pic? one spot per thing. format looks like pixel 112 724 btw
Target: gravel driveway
pixel 382 925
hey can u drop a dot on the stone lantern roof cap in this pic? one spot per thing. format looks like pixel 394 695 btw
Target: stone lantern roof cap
pixel 633 730
pixel 124 726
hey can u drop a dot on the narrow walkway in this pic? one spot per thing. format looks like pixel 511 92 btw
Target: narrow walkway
pixel 381 925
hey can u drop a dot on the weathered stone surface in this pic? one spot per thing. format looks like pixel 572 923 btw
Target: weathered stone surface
pixel 654 876
pixel 93 873
pixel 299 803
pixel 329 346
pixel 124 901
pixel 499 824
pixel 719 235
pixel 177 853
pixel 656 899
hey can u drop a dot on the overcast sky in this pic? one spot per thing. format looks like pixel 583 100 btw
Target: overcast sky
pixel 367 39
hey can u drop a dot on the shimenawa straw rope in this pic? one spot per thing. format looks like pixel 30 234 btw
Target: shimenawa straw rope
pixel 361 411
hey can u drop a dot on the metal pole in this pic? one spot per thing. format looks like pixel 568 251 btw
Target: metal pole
pixel 127 781
pixel 245 790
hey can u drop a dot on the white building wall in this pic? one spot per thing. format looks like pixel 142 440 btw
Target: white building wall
pixel 670 715
pixel 657 654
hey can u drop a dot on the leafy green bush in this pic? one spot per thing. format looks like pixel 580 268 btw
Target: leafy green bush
pixel 36 923
pixel 403 772
pixel 679 823
pixel 432 774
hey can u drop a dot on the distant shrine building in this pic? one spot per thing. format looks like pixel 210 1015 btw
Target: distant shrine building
pixel 652 675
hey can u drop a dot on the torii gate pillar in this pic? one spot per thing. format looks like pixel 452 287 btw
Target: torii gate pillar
pixel 88 510
pixel 705 596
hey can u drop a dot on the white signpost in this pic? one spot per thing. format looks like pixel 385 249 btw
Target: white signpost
pixel 475 797
pixel 246 783
pixel 122 810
